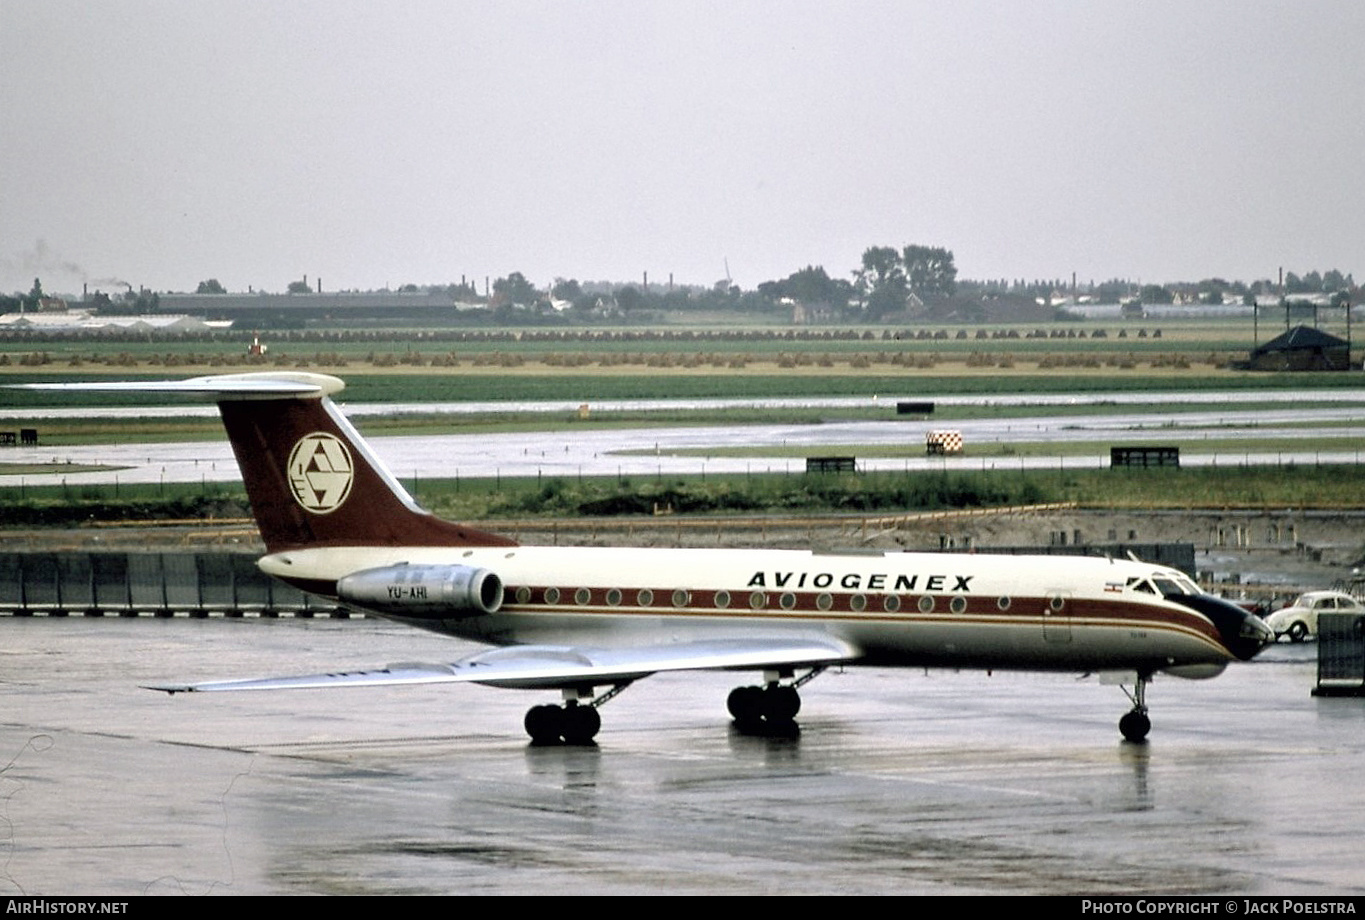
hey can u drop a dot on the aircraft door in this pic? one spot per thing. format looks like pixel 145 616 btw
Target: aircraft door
pixel 1057 617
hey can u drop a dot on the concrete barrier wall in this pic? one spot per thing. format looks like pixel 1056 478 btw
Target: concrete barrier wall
pixel 158 584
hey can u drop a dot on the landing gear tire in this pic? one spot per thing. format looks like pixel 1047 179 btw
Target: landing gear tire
pixel 576 725
pixel 781 704
pixel 542 724
pixel 769 711
pixel 746 705
pixel 580 724
pixel 1134 726
pixel 1298 631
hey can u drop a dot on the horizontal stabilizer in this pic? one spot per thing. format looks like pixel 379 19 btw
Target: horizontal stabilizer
pixel 262 385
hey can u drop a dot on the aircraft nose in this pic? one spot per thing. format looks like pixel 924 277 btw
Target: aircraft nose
pixel 1243 633
pixel 1250 635
pixel 1255 631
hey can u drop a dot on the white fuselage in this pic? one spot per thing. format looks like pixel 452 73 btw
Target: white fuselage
pixel 1032 612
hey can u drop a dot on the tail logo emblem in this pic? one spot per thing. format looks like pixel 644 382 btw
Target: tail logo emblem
pixel 320 472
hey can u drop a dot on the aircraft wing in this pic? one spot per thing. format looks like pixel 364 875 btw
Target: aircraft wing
pixel 550 667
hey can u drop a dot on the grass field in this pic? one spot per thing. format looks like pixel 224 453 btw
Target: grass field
pixel 887 493
pixel 588 366
pixel 589 384
pixel 1080 349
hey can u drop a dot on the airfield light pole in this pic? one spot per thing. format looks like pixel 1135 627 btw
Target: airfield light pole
pixel 1348 332
pixel 1284 301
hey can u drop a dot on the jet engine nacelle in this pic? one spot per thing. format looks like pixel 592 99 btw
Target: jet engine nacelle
pixel 416 590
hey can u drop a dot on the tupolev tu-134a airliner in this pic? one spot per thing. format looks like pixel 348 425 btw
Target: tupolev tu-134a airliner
pixel 588 621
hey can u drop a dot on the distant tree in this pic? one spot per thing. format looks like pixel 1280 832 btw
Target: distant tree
pixel 409 289
pixel 811 286
pixel 1210 290
pixel 299 287
pixel 211 286
pixel 35 295
pixel 726 290
pixel 1113 291
pixel 881 280
pixel 1334 280
pixel 1155 293
pixel 514 289
pixel 566 290
pixel 464 291
pixel 629 298
pixel 929 270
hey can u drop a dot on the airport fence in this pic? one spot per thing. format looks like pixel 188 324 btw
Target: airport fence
pixel 153 584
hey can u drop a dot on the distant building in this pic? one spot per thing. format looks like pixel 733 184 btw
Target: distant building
pixel 1302 348
pixel 296 309
pixel 80 321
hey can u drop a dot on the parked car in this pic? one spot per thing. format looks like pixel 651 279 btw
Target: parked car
pixel 1300 619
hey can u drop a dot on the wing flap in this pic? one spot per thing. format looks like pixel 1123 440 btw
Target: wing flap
pixel 551 667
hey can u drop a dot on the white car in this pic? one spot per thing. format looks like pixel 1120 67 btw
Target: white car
pixel 1300 619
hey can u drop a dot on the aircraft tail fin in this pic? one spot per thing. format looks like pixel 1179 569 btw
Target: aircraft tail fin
pixel 311 478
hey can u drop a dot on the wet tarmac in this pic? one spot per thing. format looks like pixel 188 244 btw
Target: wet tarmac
pixel 899 782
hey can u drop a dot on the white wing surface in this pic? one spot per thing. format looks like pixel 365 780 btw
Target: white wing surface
pixel 261 385
pixel 549 667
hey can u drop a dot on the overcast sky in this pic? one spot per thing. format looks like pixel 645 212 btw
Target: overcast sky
pixel 381 143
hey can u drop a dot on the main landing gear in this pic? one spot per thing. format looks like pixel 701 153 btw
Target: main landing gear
pixel 572 723
pixel 1135 724
pixel 769 709
pixel 576 722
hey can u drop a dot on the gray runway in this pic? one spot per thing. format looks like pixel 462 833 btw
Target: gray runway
pixel 900 782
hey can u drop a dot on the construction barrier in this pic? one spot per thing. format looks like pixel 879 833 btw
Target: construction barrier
pixel 155 584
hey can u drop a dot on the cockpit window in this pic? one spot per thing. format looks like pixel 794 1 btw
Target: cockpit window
pixel 1167 584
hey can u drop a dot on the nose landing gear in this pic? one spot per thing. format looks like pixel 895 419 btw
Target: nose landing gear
pixel 1135 724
